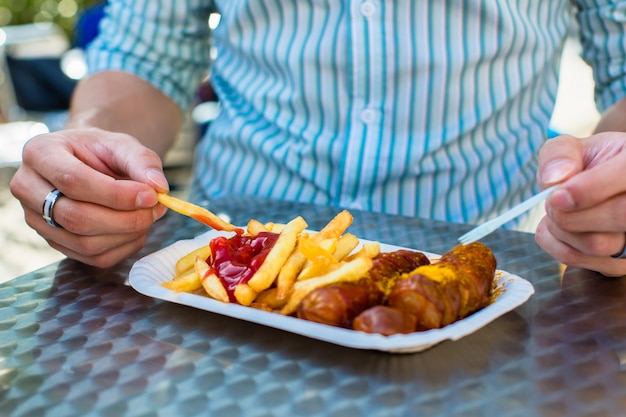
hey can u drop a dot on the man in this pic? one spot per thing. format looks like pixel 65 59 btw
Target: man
pixel 425 108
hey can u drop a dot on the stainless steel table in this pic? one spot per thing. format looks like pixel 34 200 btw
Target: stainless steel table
pixel 78 341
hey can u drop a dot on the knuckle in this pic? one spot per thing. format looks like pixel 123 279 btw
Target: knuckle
pixel 112 258
pixel 603 244
pixel 30 151
pixel 564 221
pixel 90 247
pixel 119 198
pixel 16 187
pixel 73 219
pixel 621 211
pixel 139 243
pixel 139 221
pixel 615 272
pixel 65 178
pixel 103 261
pixel 32 219
pixel 568 257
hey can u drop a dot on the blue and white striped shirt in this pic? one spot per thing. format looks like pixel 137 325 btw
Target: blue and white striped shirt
pixel 430 108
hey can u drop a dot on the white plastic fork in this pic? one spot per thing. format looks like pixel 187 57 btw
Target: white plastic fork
pixel 489 226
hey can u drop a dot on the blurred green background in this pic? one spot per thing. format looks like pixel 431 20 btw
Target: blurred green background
pixel 61 12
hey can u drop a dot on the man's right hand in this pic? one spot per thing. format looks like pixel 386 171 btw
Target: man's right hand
pixel 109 183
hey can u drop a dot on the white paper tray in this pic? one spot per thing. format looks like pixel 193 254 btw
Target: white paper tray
pixel 147 274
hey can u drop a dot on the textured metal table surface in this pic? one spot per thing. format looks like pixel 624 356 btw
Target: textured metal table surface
pixel 77 341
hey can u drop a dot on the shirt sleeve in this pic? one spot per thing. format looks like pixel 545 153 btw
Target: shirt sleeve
pixel 602 26
pixel 165 43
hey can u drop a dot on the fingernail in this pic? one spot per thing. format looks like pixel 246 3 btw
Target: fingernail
pixel 145 199
pixel 158 212
pixel 157 179
pixel 557 171
pixel 562 199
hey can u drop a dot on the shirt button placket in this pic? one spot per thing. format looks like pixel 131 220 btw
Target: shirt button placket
pixel 366 111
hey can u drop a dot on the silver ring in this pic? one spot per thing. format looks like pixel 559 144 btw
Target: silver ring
pixel 48 207
pixel 620 255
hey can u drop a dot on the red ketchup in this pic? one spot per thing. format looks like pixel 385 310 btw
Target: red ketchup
pixel 236 259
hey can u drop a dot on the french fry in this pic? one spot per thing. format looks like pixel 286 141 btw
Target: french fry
pixel 187 262
pixel 337 226
pixel 317 268
pixel 288 273
pixel 196 212
pixel 269 298
pixel 255 227
pixel 345 245
pixel 261 306
pixel 368 250
pixel 244 294
pixel 314 251
pixel 275 227
pixel 210 282
pixel 296 261
pixel 320 259
pixel 347 272
pixel 187 282
pixel 265 276
pixel 297 264
pixel 214 288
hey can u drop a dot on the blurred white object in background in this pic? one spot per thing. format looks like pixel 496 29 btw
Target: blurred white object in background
pixel 575 112
pixel 73 63
pixel 13 136
pixel 35 40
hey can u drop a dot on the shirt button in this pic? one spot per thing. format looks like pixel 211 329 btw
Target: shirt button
pixel 369 116
pixel 368 9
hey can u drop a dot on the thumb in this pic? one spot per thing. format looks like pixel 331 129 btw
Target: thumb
pixel 559 159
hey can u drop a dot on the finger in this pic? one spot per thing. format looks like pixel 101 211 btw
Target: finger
pixel 118 172
pixel 606 216
pixel 572 257
pixel 597 163
pixel 559 159
pixel 87 245
pixel 103 259
pixel 86 219
pixel 593 243
pixel 79 217
pixel 99 250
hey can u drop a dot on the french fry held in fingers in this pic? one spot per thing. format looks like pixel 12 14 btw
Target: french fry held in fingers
pixel 197 213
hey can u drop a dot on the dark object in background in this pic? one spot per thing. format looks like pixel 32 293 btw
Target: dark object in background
pixel 87 24
pixel 40 84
